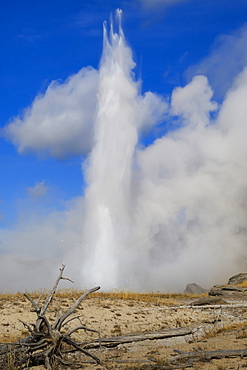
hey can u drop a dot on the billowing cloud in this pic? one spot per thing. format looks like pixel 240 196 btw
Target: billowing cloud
pixel 226 60
pixel 152 109
pixel 192 205
pixel 60 122
pixel 193 102
pixel 38 190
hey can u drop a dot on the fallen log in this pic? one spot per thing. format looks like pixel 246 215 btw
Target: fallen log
pixel 160 334
pixel 194 307
pixel 207 355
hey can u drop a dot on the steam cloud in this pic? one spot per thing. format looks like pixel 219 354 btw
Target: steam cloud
pixel 58 120
pixel 156 217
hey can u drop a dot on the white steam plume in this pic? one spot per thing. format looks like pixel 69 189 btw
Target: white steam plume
pixel 107 225
pixel 192 207
pixel 184 223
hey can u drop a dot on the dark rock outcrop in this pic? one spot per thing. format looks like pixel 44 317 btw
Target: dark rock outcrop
pixel 194 288
pixel 208 301
pixel 237 279
pixel 228 291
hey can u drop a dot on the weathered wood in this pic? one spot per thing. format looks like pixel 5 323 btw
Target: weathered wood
pixel 18 345
pixel 160 334
pixel 79 348
pixel 151 364
pixel 53 291
pixel 34 304
pixel 58 324
pixel 83 327
pixel 71 319
pixel 191 306
pixel 208 355
pixel 45 344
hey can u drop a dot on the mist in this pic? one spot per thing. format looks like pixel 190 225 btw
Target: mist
pixel 153 217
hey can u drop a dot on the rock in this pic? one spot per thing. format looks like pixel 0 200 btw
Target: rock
pixel 208 301
pixel 237 279
pixel 232 288
pixel 194 288
pixel 228 291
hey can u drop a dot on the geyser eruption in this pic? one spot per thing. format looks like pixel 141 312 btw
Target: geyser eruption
pixel 155 217
pixel 170 218
pixel 107 224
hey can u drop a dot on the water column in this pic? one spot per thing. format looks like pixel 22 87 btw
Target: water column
pixel 107 227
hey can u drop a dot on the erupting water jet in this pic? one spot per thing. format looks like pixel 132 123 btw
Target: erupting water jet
pixel 107 225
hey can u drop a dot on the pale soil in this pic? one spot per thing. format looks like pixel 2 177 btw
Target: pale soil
pixel 114 317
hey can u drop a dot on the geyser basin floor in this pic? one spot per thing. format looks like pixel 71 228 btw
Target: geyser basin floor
pixel 114 316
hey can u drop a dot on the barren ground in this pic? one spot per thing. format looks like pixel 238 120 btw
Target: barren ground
pixel 213 329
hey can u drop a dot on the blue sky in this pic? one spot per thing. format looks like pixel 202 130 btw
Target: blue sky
pixel 47 42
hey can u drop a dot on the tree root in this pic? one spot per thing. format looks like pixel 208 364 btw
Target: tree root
pixel 46 344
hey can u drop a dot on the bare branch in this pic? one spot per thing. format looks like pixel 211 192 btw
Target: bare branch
pixel 48 325
pixel 73 318
pixel 63 278
pixel 27 326
pixel 41 295
pixel 53 291
pixel 81 327
pixel 36 344
pixel 67 363
pixel 34 304
pixel 61 319
pixel 75 345
pixel 47 362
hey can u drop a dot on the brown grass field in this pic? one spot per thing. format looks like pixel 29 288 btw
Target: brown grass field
pixel 123 313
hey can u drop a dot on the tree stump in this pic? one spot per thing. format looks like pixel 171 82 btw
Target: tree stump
pixel 46 343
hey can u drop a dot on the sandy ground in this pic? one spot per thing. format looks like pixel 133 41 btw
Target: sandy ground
pixel 115 317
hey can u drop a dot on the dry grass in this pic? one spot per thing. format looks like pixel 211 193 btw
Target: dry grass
pixel 11 297
pixel 243 284
pixel 165 298
pixel 10 338
pixel 225 329
pixel 231 327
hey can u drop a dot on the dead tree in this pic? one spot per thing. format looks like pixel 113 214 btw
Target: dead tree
pixel 48 343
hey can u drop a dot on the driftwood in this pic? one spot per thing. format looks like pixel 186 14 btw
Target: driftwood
pixel 189 306
pixel 46 344
pixel 160 334
pixel 206 355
